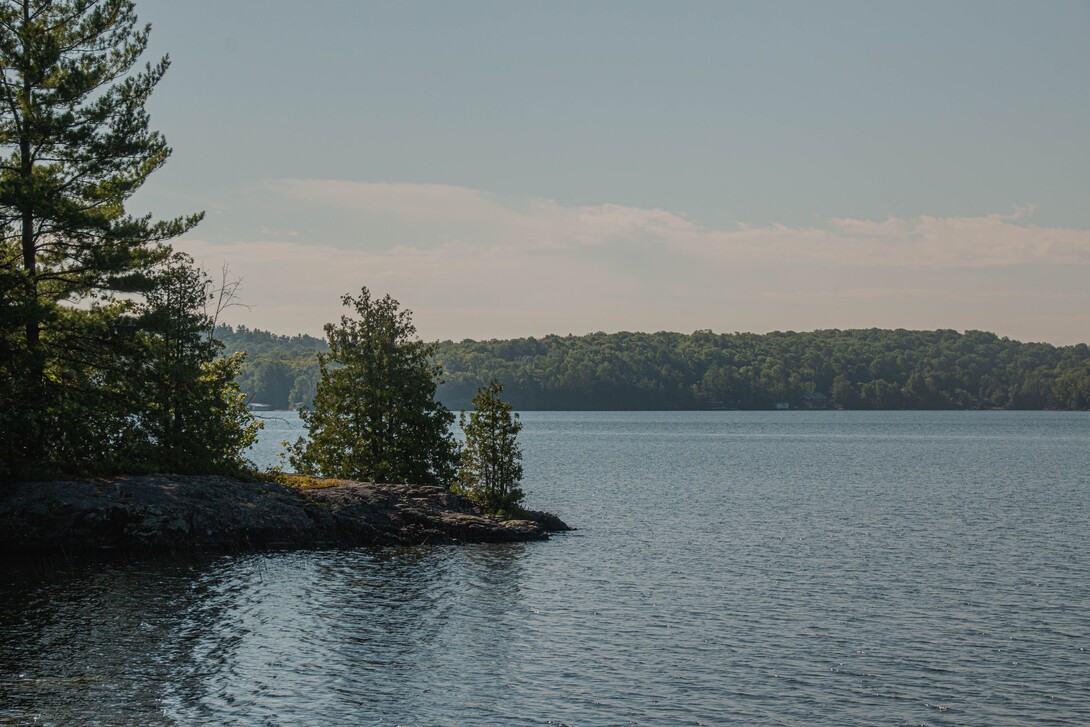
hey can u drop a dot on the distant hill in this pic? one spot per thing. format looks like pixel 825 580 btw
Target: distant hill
pixel 280 371
pixel 854 369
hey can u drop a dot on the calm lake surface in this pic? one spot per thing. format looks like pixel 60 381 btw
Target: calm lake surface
pixel 729 568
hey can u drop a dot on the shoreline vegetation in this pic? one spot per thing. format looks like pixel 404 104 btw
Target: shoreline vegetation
pixel 851 369
pixel 109 361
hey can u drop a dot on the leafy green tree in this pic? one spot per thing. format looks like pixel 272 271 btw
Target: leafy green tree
pixel 75 144
pixel 189 415
pixel 491 458
pixel 375 416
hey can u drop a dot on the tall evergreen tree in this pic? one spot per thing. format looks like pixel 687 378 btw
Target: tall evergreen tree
pixel 491 458
pixel 375 416
pixel 75 144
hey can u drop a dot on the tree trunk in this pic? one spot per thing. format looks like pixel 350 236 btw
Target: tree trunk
pixel 33 394
pixel 30 253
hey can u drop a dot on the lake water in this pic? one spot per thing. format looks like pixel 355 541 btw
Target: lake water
pixel 838 568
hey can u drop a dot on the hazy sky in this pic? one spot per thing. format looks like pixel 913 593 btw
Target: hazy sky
pixel 510 169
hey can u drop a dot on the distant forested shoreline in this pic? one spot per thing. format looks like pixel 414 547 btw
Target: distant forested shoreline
pixel 280 372
pixel 851 369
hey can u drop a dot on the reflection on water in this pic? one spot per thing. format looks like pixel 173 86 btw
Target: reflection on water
pixel 105 635
pixel 255 636
pixel 829 568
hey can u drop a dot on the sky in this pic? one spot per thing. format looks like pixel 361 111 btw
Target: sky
pixel 508 169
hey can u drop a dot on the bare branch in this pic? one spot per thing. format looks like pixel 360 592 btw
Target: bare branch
pixel 226 296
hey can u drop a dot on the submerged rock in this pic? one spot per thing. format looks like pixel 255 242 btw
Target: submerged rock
pixel 171 512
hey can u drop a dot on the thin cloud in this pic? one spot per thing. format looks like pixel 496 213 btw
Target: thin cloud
pixel 921 242
pixel 476 264
pixel 431 215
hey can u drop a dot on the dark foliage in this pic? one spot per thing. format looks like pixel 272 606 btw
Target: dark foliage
pixel 491 459
pixel 375 416
pixel 856 369
pixel 280 372
pixel 105 355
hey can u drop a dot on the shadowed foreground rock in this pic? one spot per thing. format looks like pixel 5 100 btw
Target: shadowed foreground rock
pixel 168 512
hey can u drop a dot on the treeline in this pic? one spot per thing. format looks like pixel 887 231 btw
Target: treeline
pixel 280 372
pixel 853 369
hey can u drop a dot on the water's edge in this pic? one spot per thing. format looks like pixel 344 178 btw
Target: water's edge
pixel 178 513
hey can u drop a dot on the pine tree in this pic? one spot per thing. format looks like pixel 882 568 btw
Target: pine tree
pixel 75 144
pixel 375 416
pixel 491 458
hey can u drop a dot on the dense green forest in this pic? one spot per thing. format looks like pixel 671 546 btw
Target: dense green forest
pixel 280 372
pixel 853 369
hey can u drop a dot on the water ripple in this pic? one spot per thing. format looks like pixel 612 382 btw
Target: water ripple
pixel 730 569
